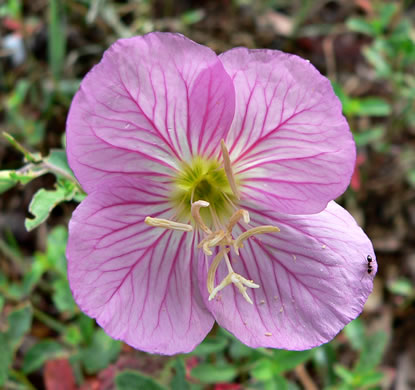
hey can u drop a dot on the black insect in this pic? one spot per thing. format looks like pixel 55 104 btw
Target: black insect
pixel 369 264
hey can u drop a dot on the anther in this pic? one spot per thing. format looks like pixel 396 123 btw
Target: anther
pixel 237 215
pixel 167 224
pixel 195 211
pixel 211 241
pixel 239 281
pixel 256 230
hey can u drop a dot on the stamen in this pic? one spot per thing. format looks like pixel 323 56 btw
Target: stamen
pixel 239 281
pixel 211 241
pixel 237 215
pixel 256 230
pixel 167 224
pixel 213 267
pixel 228 169
pixel 196 214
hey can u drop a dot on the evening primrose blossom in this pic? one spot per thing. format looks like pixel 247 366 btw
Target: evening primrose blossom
pixel 210 182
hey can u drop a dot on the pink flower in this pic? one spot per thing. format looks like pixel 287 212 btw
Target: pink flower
pixel 204 175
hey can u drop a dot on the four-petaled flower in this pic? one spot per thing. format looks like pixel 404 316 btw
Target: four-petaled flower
pixel 210 182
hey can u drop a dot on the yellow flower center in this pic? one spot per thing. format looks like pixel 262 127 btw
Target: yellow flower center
pixel 206 180
pixel 205 192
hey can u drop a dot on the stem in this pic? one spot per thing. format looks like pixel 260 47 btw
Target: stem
pixel 48 320
pixel 12 255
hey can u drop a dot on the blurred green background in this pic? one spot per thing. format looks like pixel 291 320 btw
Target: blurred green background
pixel 366 48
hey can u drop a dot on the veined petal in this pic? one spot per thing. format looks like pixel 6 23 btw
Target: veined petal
pixel 289 141
pixel 139 282
pixel 151 102
pixel 313 280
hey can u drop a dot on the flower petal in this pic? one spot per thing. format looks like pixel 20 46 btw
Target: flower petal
pixel 313 280
pixel 151 102
pixel 139 282
pixel 289 141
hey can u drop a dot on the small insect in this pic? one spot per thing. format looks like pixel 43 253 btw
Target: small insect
pixel 369 264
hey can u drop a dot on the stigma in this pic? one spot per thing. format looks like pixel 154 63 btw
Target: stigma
pixel 204 181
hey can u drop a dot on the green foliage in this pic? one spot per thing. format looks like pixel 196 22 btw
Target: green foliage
pixel 391 54
pixel 179 379
pixel 368 106
pixel 57 37
pixel 19 322
pixel 371 348
pixel 11 8
pixel 6 357
pixel 6 182
pixel 214 373
pixel 25 126
pixel 100 352
pixel 402 287
pixel 39 353
pixel 45 201
pixel 133 380
pixel 211 345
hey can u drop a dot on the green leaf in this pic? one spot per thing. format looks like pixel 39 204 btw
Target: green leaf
pixel 387 10
pixel 32 277
pixel 179 380
pixel 371 106
pixel 287 360
pixel 369 379
pixel 57 162
pixel 210 345
pixel 361 26
pixel 378 61
pixel 57 37
pixel 72 335
pixel 192 16
pixel 402 287
pixel 6 358
pixel 20 321
pixel 133 380
pixel 86 327
pixel 263 370
pixel 372 352
pixel 344 373
pixel 280 383
pixel 344 99
pixel 238 350
pixel 62 297
pixel 102 351
pixel 369 136
pixel 210 373
pixel 18 95
pixel 39 353
pixel 55 252
pixel 44 201
pixel 355 332
pixel 6 181
pixel 324 358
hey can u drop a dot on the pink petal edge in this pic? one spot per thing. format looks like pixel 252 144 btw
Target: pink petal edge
pixel 289 141
pixel 151 102
pixel 313 277
pixel 138 282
